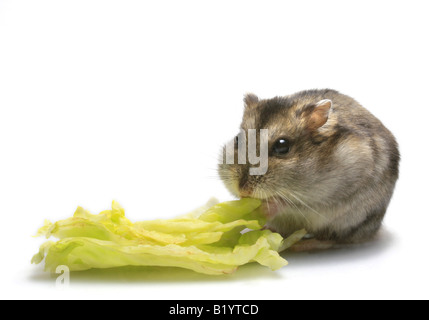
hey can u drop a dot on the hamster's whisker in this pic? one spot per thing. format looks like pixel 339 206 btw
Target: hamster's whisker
pixel 285 197
pixel 307 206
pixel 263 196
pixel 227 178
pixel 211 168
pixel 213 177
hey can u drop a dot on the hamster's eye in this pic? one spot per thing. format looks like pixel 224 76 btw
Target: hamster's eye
pixel 281 147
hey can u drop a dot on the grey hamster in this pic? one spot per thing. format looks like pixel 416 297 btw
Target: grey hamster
pixel 332 165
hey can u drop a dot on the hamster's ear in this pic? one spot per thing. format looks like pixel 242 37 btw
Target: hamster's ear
pixel 250 100
pixel 319 114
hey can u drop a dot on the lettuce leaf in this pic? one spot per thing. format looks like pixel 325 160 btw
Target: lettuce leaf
pixel 214 240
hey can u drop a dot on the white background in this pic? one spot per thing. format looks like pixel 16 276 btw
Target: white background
pixel 131 100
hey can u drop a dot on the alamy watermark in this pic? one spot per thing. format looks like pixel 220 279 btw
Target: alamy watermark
pixel 247 151
pixel 63 280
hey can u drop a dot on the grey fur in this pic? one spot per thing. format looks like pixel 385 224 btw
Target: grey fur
pixel 336 181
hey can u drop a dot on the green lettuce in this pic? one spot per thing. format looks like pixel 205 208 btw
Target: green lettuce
pixel 213 240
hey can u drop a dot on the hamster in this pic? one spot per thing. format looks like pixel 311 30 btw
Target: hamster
pixel 332 166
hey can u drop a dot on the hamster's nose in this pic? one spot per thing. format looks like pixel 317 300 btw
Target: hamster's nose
pixel 244 188
pixel 246 191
